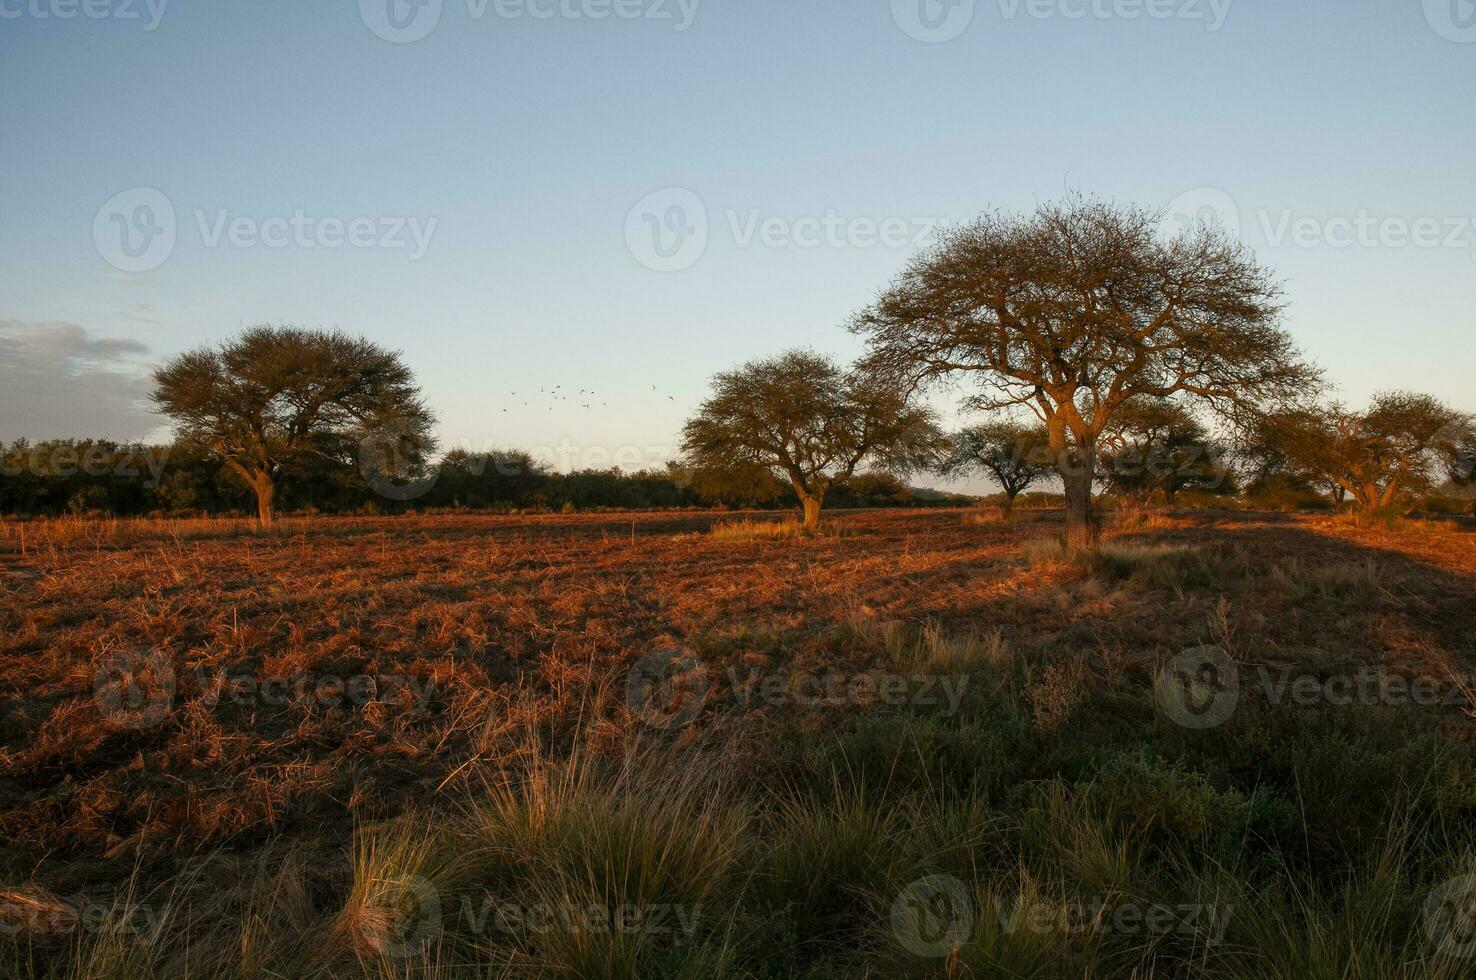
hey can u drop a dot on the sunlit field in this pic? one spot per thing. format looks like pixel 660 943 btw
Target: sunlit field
pixel 918 743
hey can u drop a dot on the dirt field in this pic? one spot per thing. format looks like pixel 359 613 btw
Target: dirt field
pixel 172 690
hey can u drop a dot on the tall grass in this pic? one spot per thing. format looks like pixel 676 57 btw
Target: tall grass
pixel 1096 840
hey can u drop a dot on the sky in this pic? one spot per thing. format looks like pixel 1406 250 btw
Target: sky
pixel 627 196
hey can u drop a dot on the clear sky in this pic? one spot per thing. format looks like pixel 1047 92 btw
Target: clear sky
pixel 523 141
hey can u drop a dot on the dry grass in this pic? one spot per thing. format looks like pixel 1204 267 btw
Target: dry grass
pixel 482 650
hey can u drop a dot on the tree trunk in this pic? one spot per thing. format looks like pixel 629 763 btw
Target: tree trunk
pixel 812 511
pixel 266 495
pixel 1009 504
pixel 1081 529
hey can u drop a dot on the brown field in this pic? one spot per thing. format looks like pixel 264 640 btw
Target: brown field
pixel 335 673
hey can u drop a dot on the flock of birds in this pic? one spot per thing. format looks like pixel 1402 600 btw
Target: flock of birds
pixel 578 398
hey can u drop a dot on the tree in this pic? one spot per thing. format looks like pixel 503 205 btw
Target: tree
pixel 1395 446
pixel 503 477
pixel 1460 463
pixel 1158 446
pixel 1015 454
pixel 803 418
pixel 1074 311
pixel 275 395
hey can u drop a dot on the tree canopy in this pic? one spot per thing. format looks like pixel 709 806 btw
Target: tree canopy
pixel 810 422
pixel 1015 454
pixel 1155 445
pixel 262 401
pixel 1400 444
pixel 1077 309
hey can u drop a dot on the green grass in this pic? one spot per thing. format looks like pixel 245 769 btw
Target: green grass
pixel 997 841
pixel 1154 566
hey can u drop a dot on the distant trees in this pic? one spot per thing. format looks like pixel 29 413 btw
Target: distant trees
pixel 80 475
pixel 1015 454
pixel 266 400
pixel 482 479
pixel 1154 446
pixel 1460 464
pixel 1398 445
pixel 1078 309
pixel 806 420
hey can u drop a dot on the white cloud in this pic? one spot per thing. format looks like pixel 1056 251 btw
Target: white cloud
pixel 57 381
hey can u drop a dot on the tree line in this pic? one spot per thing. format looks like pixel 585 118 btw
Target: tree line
pixel 1095 352
pixel 101 477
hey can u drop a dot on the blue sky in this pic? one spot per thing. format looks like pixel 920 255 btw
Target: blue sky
pixel 517 146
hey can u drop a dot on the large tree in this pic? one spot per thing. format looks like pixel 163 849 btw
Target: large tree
pixel 810 422
pixel 1014 453
pixel 1077 309
pixel 1154 446
pixel 1398 445
pixel 275 395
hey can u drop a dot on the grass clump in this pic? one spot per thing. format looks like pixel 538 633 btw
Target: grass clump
pixel 1344 582
pixel 750 530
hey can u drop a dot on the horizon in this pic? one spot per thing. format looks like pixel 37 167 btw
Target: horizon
pixel 630 204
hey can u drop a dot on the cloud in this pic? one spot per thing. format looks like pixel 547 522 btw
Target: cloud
pixel 58 381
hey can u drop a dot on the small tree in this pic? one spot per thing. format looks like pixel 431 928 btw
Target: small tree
pixel 1077 310
pixel 805 419
pixel 1157 446
pixel 275 395
pixel 1015 454
pixel 1394 447
pixel 1460 464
